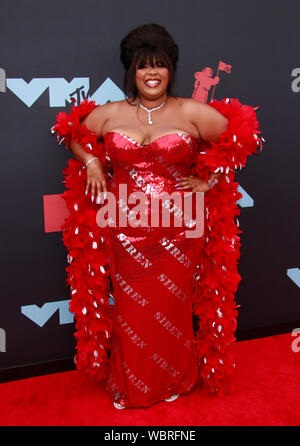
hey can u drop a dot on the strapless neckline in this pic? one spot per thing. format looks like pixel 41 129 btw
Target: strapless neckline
pixel 180 134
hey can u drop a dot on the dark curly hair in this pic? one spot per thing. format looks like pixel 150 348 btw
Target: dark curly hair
pixel 146 44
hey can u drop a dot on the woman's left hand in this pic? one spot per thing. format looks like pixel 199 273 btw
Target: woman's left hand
pixel 195 184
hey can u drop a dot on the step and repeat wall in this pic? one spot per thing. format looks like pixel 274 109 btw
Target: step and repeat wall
pixel 53 51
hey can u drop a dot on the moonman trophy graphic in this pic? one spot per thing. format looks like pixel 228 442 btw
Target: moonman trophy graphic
pixel 204 81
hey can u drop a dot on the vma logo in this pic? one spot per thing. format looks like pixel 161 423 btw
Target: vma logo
pixel 61 92
pixel 294 275
pixel 41 315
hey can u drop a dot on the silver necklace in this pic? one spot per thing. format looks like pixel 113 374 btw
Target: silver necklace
pixel 149 110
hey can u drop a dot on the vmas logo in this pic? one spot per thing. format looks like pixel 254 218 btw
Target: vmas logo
pixel 61 92
pixel 205 81
pixel 204 85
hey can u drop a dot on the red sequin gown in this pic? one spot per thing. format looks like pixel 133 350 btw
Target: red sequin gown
pixel 153 272
pixel 144 345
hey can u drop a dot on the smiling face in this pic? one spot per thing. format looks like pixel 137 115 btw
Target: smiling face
pixel 152 81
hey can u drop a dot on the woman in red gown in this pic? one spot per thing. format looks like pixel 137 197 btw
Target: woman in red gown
pixel 154 308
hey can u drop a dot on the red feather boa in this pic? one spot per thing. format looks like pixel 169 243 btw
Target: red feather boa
pixel 214 299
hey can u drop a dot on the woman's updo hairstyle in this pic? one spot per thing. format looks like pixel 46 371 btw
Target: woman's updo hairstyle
pixel 147 44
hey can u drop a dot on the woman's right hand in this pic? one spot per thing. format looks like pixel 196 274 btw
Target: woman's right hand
pixel 95 179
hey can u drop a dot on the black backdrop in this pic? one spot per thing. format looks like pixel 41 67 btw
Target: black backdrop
pixel 53 40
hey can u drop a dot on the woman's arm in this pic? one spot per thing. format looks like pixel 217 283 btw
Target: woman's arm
pixel 80 130
pixel 210 125
pixel 209 122
pixel 94 121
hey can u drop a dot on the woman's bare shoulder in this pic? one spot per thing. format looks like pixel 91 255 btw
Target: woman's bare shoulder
pixel 96 119
pixel 193 105
pixel 209 121
pixel 200 109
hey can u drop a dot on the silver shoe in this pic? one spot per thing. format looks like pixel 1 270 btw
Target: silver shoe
pixel 172 398
pixel 118 406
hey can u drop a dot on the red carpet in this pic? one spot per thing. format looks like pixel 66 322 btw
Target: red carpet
pixel 267 393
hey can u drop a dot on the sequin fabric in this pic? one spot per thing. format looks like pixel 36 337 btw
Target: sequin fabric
pixel 217 278
pixel 153 272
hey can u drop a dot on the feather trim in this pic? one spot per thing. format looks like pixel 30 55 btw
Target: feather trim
pixel 88 272
pixel 241 139
pixel 214 299
pixel 69 127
